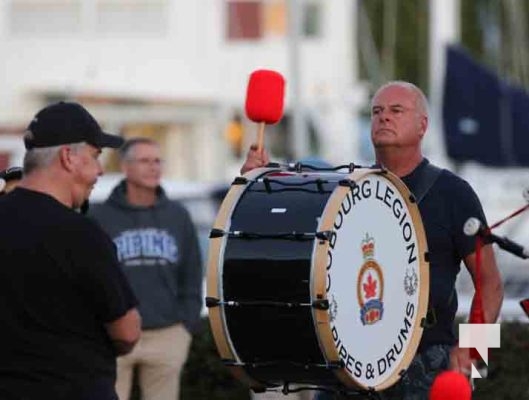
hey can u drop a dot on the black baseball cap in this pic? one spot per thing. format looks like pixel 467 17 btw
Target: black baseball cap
pixel 64 123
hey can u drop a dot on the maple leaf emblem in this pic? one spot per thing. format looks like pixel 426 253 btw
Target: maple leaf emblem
pixel 370 288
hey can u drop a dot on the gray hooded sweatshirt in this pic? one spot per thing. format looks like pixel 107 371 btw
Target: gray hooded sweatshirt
pixel 159 253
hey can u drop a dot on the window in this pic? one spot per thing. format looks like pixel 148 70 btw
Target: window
pixel 5 157
pixel 311 22
pixel 275 19
pixel 44 17
pixel 255 19
pixel 130 17
pixel 261 19
pixel 244 20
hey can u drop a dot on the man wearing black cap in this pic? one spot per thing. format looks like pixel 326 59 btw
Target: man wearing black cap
pixel 66 311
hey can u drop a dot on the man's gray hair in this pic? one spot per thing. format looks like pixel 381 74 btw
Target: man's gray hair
pixel 421 101
pixel 42 157
pixel 125 151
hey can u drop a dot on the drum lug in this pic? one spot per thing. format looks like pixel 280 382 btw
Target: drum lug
pixel 319 184
pixel 240 180
pixel 216 233
pixel 268 187
pixel 323 235
pixel 321 304
pixel 347 183
pixel 426 256
pixel 430 319
pixel 298 167
pixel 212 302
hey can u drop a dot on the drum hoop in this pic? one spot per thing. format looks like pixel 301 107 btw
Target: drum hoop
pixel 217 316
pixel 318 279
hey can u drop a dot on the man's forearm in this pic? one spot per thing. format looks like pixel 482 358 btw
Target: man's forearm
pixel 492 300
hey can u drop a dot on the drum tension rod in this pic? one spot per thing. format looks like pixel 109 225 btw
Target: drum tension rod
pixel 274 363
pixel 335 364
pixel 300 236
pixel 320 304
pixel 370 392
pixel 232 363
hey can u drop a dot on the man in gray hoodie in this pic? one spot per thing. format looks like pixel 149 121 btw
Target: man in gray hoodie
pixel 159 253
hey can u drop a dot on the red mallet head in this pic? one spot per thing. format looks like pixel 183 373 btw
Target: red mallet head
pixel 450 385
pixel 264 96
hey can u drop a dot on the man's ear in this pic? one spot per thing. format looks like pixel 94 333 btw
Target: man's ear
pixel 65 158
pixel 423 125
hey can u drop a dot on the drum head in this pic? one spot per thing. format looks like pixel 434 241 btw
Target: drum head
pixel 374 274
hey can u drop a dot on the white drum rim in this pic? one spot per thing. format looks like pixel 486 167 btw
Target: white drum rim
pixel 318 279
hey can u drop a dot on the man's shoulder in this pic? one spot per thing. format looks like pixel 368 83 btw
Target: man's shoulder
pixel 85 226
pixel 450 180
pixel 452 189
pixel 102 210
pixel 98 208
pixel 176 205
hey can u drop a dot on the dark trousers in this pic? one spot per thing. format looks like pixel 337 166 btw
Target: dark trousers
pixel 102 389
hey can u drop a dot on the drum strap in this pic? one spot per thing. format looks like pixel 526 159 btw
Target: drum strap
pixel 427 177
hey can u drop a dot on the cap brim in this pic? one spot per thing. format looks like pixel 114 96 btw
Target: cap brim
pixel 108 140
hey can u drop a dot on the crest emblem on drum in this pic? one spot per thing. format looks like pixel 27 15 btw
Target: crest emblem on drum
pixel 370 285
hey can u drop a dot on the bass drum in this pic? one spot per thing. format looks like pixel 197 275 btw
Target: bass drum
pixel 318 278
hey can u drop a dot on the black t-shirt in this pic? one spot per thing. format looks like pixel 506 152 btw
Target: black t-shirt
pixel 59 283
pixel 444 210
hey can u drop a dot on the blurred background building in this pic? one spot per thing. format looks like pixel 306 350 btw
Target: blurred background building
pixel 177 71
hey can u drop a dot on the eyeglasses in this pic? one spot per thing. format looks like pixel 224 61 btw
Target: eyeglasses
pixel 147 161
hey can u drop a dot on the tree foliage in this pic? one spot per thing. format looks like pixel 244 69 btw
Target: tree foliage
pixel 495 32
pixel 399 30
